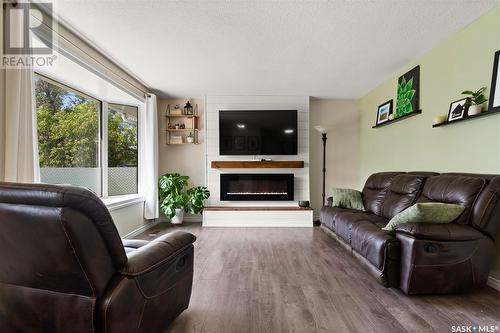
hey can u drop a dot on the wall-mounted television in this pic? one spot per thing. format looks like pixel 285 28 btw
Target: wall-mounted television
pixel 262 132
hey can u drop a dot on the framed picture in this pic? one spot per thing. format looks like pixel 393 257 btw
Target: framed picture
pixel 457 110
pixel 494 104
pixel 383 112
pixel 408 93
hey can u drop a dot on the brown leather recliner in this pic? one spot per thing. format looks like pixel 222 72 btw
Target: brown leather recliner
pixel 64 268
pixel 422 258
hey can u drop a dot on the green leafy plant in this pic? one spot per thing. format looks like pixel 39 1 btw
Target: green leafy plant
pixel 172 195
pixel 405 96
pixel 475 97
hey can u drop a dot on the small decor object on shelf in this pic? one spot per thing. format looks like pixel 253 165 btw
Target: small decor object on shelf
pixel 384 112
pixel 176 139
pixel 494 104
pixel 439 119
pixel 190 138
pixel 473 103
pixel 457 110
pixel 408 92
pixel 303 204
pixel 391 116
pixel 176 111
pixel 174 201
pixel 188 109
pixel 177 126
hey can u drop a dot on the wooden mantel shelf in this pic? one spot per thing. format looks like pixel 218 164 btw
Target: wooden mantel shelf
pixel 253 208
pixel 257 164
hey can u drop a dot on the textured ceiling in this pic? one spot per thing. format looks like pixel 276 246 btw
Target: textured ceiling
pixel 336 49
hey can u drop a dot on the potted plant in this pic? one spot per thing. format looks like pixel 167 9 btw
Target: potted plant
pixel 474 101
pixel 190 138
pixel 174 201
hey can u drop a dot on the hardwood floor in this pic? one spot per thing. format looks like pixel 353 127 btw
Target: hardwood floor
pixel 301 280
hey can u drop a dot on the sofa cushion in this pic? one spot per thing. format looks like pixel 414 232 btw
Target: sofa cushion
pixel 347 198
pixel 454 189
pixel 327 215
pixel 344 222
pixel 441 232
pixel 401 194
pixel 374 244
pixel 375 190
pixel 429 212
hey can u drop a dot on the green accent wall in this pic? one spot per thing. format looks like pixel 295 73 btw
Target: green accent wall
pixel 463 62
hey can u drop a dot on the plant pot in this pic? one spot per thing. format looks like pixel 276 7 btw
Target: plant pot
pixel 189 139
pixel 178 217
pixel 474 110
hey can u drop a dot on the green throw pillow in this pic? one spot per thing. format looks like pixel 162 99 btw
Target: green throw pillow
pixel 347 198
pixel 426 213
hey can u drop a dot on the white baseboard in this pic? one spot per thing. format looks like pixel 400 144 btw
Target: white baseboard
pixel 258 218
pixel 140 230
pixel 494 283
pixel 187 218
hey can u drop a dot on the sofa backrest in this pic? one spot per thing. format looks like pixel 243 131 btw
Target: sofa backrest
pixel 375 189
pixel 402 192
pixel 486 211
pixel 460 189
pixel 60 239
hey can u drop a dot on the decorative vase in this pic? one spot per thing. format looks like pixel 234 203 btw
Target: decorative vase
pixel 391 116
pixel 189 139
pixel 178 217
pixel 474 110
pixel 439 119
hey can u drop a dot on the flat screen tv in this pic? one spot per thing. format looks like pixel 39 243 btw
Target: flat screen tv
pixel 263 132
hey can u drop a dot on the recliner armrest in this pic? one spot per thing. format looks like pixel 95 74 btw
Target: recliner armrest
pixel 157 252
pixel 442 232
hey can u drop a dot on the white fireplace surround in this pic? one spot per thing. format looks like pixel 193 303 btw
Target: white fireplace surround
pixel 214 104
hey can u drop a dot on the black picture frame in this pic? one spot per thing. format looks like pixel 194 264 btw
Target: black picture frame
pixel 494 103
pixel 390 104
pixel 412 74
pixel 454 109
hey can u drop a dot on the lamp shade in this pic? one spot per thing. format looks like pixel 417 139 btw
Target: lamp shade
pixel 321 129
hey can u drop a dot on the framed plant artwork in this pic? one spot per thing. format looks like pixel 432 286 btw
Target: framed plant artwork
pixel 494 104
pixel 383 112
pixel 457 109
pixel 408 92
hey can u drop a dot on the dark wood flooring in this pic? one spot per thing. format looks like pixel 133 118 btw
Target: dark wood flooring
pixel 301 280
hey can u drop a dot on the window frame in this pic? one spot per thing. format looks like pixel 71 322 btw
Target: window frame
pixel 103 133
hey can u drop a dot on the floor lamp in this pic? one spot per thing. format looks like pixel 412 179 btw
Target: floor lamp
pixel 323 130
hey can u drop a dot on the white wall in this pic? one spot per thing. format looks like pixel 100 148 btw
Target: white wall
pixel 216 103
pixel 342 149
pixel 129 219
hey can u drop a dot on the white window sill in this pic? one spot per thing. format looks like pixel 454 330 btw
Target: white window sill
pixel 122 201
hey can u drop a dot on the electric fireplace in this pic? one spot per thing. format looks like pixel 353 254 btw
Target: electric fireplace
pixel 256 187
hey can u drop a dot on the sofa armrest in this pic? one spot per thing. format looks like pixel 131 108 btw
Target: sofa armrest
pixel 157 252
pixel 442 232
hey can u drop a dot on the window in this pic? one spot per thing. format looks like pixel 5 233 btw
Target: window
pixel 70 140
pixel 122 149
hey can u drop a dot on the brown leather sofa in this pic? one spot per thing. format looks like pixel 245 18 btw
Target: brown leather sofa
pixel 64 268
pixel 422 258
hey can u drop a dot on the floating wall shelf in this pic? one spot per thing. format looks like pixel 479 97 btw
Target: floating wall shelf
pixel 257 164
pixel 481 115
pixel 408 115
